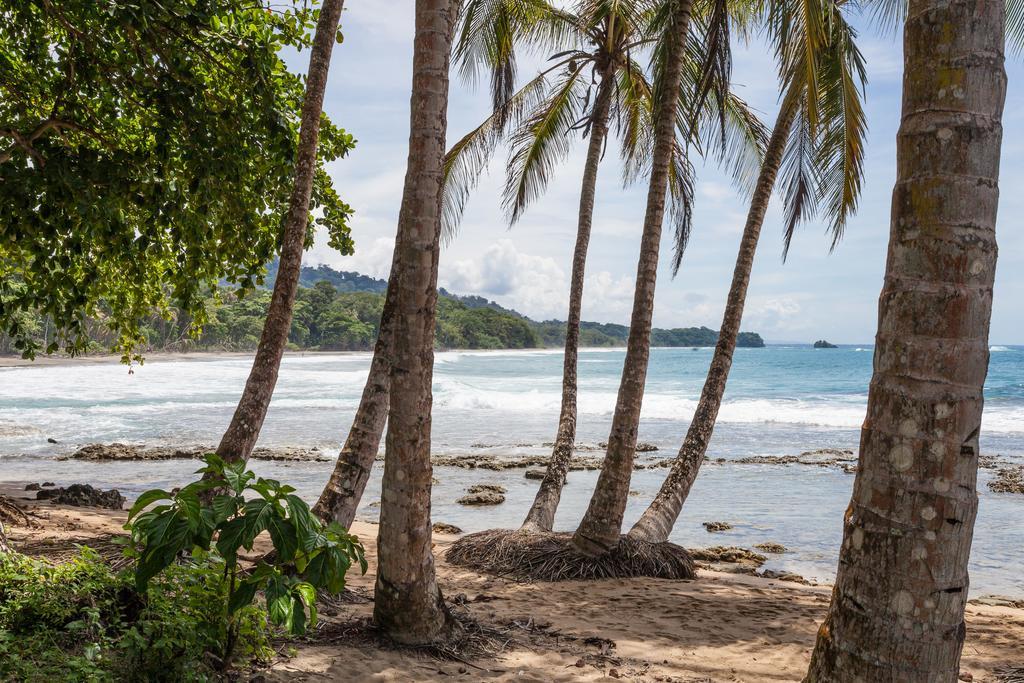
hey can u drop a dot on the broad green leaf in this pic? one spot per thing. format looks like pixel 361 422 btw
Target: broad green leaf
pixel 282 533
pixel 243 596
pixel 147 498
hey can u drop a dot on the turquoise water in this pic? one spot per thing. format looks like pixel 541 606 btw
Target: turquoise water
pixel 781 400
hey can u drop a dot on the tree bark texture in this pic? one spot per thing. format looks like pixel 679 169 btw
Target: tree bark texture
pixel 599 531
pixel 541 516
pixel 244 429
pixel 408 605
pixel 897 611
pixel 656 523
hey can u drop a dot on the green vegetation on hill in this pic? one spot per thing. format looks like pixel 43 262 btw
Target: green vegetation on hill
pixel 340 311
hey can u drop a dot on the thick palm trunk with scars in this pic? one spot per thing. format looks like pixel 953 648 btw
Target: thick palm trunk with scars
pixel 341 495
pixel 241 435
pixel 897 611
pixel 541 516
pixel 408 605
pixel 656 523
pixel 599 531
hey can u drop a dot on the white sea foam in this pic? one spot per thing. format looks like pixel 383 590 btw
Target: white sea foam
pixel 998 348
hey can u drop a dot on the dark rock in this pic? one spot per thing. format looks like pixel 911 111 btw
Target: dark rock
pixel 1008 480
pixel 822 344
pixel 486 498
pixel 783 576
pixel 534 474
pixel 84 495
pixel 823 457
pixel 32 487
pixel 50 439
pixel 641 446
pixel 498 463
pixel 775 548
pixel 124 452
pixel 48 483
pixel 486 488
pixel 443 528
pixel 717 526
pixel 997 601
pixel 728 555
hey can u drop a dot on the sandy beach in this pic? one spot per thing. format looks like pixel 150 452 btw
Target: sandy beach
pixel 721 627
pixel 8 361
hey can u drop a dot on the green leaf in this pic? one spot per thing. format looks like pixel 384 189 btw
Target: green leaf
pixel 147 498
pixel 279 601
pixel 231 538
pixel 244 594
pixel 297 620
pixel 282 533
pixel 224 507
pixel 257 514
pixel 237 476
pixel 306 525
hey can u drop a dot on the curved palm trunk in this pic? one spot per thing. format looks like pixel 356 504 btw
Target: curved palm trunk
pixel 408 605
pixel 602 523
pixel 241 435
pixel 541 516
pixel 341 495
pixel 898 603
pixel 657 521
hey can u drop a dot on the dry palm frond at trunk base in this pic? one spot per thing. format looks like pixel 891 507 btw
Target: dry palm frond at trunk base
pixel 552 557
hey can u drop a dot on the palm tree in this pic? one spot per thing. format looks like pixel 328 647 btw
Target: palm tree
pixel 599 82
pixel 596 40
pixel 408 605
pixel 592 47
pixel 599 530
pixel 898 603
pixel 244 429
pixel 818 142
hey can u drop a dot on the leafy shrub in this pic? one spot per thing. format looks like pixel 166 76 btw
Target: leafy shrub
pixel 308 556
pixel 80 621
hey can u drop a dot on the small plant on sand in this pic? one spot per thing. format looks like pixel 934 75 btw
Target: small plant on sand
pixel 308 556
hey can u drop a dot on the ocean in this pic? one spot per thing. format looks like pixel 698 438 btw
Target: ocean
pixel 781 400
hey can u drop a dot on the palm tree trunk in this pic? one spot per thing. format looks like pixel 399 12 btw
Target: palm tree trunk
pixel 898 603
pixel 657 521
pixel 541 516
pixel 599 531
pixel 408 606
pixel 341 495
pixel 241 435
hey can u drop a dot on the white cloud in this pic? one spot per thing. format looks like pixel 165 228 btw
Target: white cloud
pixel 534 285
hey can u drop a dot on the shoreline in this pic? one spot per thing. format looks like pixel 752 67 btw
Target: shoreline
pixel 12 361
pixel 157 356
pixel 720 626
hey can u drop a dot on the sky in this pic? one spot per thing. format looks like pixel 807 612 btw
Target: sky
pixel 815 294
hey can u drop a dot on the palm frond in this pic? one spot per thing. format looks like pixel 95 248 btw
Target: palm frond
pixel 634 120
pixel 840 153
pixel 681 181
pixel 490 31
pixel 542 141
pixel 798 172
pixel 714 71
pixel 466 161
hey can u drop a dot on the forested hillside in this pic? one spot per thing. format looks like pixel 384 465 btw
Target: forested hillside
pixel 339 311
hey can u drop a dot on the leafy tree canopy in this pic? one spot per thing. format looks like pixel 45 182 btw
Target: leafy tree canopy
pixel 146 154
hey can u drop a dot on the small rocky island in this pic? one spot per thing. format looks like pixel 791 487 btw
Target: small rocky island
pixel 822 344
